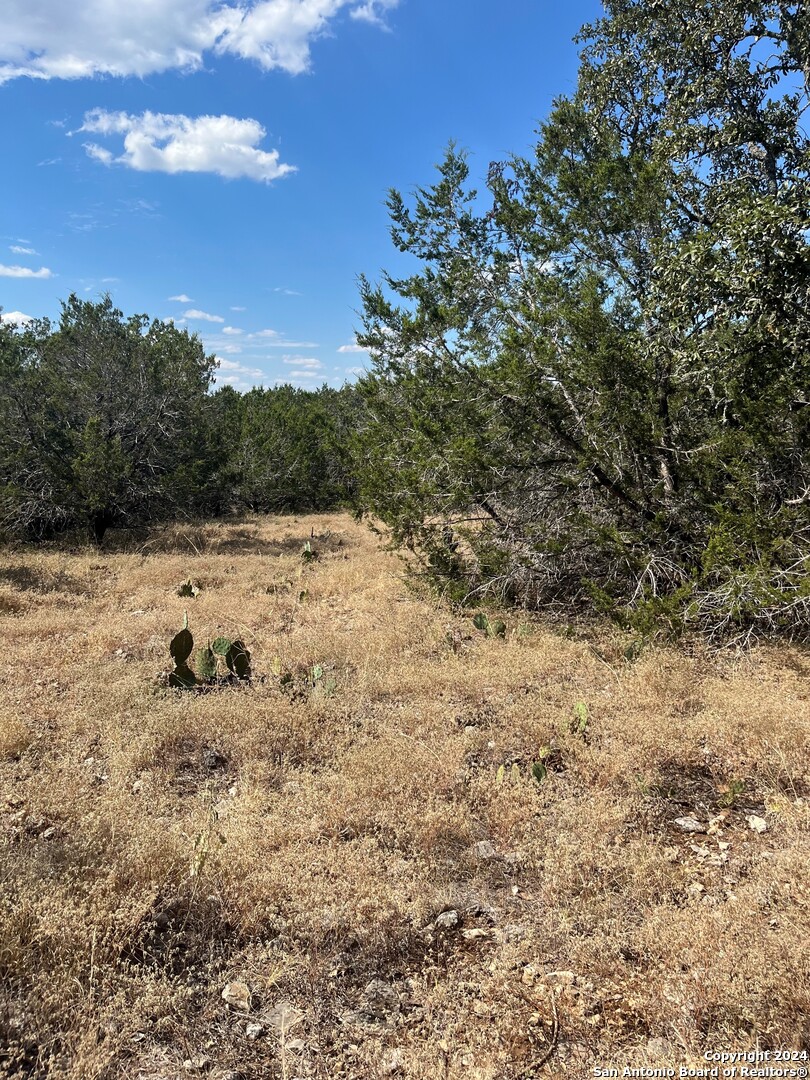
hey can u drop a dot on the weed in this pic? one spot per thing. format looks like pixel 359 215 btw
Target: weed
pixel 492 628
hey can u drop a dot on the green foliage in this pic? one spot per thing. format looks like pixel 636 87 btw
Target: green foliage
pixel 599 366
pixel 206 663
pixel 181 646
pixel 221 646
pixel 287 449
pixel 492 628
pixel 107 421
pixel 234 654
pixel 539 771
pixel 580 722
pixel 99 420
pixel 237 659
pixel 730 792
pixel 307 554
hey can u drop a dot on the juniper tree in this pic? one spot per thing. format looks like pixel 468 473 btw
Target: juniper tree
pixel 602 365
pixel 102 416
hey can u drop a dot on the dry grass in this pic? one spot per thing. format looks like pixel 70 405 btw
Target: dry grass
pixel 156 845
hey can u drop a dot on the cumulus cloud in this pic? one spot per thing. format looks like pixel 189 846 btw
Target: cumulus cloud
pixel 160 142
pixel 182 299
pixel 24 272
pixel 232 365
pixel 355 348
pixel 202 316
pixel 16 317
pixel 50 39
pixel 303 374
pixel 232 330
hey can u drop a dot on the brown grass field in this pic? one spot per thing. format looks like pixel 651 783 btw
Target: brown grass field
pixel 302 837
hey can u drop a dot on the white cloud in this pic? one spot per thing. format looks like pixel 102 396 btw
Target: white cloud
pixel 303 361
pixel 182 299
pixel 51 39
pixel 232 330
pixel 24 272
pixel 372 11
pixel 304 375
pixel 160 142
pixel 239 376
pixel 202 316
pixel 264 334
pixel 98 153
pixel 232 365
pixel 292 344
pixel 16 317
pixel 355 371
pixel 355 348
pixel 238 309
pixel 15 249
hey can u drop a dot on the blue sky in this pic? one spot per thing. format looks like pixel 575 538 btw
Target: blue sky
pixel 227 164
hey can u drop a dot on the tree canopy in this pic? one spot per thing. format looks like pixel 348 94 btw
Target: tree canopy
pixel 108 421
pixel 599 375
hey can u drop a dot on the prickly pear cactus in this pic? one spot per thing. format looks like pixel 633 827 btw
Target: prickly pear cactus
pixel 182 678
pixel 206 663
pixel 238 660
pixel 180 648
pixel 221 646
pixel 181 644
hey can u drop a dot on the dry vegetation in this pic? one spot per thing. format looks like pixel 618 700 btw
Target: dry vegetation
pixel 156 845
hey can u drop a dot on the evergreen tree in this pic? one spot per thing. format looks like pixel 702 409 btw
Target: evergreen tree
pixel 600 375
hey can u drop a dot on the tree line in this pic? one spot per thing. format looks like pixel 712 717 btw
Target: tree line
pixel 108 421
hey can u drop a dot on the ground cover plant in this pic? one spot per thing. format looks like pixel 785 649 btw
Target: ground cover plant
pixel 406 846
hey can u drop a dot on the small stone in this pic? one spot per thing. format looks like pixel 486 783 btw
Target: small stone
pixel 484 851
pixel 689 824
pixel 695 890
pixel 659 1049
pixel 380 999
pixel 756 823
pixel 564 978
pixel 393 1063
pixel 448 920
pixel 237 995
pixel 475 934
pixel 49 833
pixel 253 1031
pixel 283 1016
pixel 137 787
